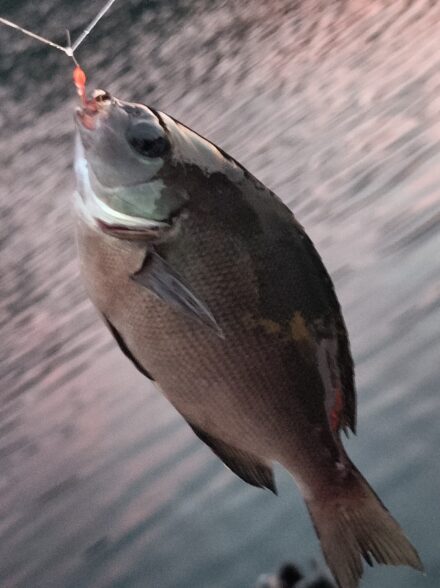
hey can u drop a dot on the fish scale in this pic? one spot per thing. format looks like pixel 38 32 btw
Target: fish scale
pixel 171 351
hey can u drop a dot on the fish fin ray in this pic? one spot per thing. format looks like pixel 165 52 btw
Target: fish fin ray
pixel 125 350
pixel 159 277
pixel 337 376
pixel 250 468
pixel 343 358
pixel 346 374
pixel 354 524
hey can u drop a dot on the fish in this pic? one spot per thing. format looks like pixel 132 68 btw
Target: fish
pixel 214 291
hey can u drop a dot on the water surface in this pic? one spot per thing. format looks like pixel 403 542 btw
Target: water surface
pixel 336 107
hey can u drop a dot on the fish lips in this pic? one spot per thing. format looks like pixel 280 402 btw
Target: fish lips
pixel 88 116
pixel 85 119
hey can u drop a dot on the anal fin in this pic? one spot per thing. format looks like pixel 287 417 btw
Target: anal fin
pixel 248 467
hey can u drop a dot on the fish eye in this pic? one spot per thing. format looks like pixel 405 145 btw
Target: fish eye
pixel 147 139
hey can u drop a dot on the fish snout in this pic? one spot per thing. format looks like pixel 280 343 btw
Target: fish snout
pixel 88 115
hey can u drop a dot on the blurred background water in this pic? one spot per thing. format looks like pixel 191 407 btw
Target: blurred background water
pixel 336 107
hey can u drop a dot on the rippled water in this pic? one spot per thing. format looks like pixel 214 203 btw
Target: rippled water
pixel 335 105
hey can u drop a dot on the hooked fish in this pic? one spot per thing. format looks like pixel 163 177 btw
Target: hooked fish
pixel 213 289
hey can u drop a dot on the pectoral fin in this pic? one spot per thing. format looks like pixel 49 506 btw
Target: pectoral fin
pixel 159 277
pixel 248 467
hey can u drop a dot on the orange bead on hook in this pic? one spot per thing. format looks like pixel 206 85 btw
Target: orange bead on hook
pixel 79 76
pixel 79 79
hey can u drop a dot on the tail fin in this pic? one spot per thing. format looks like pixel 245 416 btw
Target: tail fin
pixel 355 524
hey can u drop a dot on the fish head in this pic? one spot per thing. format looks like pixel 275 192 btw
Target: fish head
pixel 133 164
pixel 121 149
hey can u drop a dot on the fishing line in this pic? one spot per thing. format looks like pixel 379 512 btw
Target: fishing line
pixel 79 77
pixel 31 34
pixel 70 49
pixel 92 25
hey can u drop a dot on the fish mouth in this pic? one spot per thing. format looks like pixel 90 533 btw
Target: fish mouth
pixel 88 115
pixel 86 118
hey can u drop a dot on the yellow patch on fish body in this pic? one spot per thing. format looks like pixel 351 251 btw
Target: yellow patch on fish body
pixel 271 327
pixel 295 330
pixel 299 330
pixel 267 325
